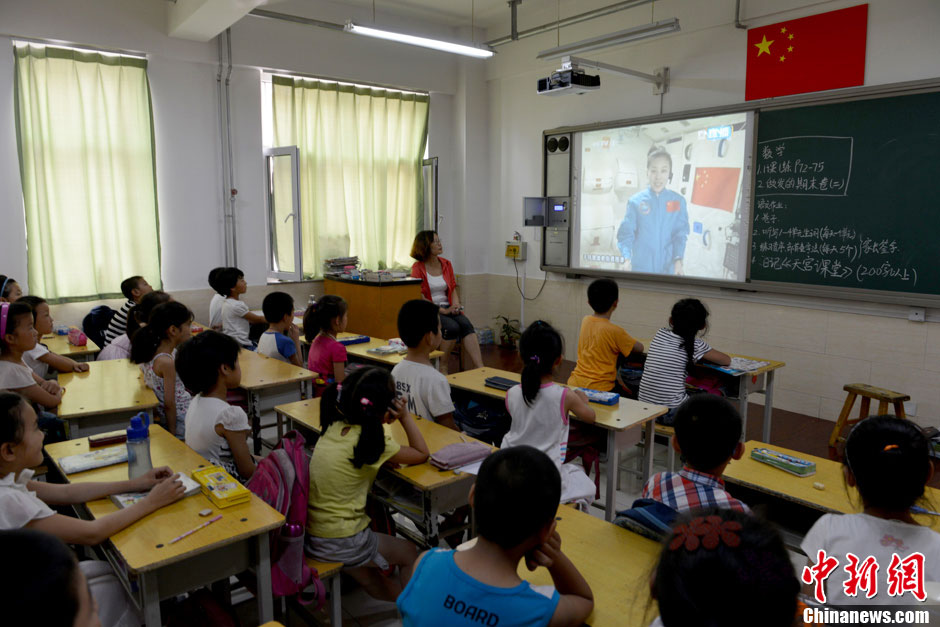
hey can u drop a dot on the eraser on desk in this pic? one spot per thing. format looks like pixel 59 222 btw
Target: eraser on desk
pixel 819 486
pixel 205 512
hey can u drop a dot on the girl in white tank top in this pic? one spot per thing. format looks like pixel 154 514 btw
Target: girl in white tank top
pixel 539 409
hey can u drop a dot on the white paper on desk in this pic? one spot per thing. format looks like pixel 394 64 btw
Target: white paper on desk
pixel 746 365
pixel 470 469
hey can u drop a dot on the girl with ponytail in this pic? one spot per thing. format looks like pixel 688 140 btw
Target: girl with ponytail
pixel 153 347
pixel 672 353
pixel 888 460
pixel 539 408
pixel 352 447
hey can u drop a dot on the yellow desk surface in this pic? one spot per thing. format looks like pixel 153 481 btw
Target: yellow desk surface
pixel 259 372
pixel 627 413
pixel 140 544
pixel 108 386
pixel 362 350
pixel 835 497
pixel 424 476
pixel 60 345
pixel 616 564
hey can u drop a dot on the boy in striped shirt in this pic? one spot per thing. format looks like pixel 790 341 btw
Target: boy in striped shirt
pixel 708 436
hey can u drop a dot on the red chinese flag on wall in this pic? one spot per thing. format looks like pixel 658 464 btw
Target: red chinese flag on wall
pixel 825 51
pixel 716 187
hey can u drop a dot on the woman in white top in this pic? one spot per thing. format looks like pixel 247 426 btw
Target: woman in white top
pixel 439 285
pixel 539 409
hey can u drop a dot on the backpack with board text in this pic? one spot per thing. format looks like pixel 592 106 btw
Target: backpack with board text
pixel 282 480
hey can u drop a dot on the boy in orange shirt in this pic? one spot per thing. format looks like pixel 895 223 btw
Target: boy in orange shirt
pixel 601 342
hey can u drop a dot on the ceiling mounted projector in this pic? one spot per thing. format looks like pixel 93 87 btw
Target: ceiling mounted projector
pixel 569 79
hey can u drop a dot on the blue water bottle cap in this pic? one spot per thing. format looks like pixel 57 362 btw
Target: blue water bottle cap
pixel 140 427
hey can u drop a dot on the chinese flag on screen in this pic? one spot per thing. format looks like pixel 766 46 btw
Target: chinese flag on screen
pixel 716 187
pixel 825 51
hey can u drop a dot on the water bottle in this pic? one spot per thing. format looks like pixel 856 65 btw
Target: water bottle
pixel 138 446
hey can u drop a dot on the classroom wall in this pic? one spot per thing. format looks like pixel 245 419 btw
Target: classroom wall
pixel 185 105
pixel 485 125
pixel 824 348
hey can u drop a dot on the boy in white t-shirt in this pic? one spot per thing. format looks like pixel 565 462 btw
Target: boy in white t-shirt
pixel 236 317
pixel 208 365
pixel 426 389
pixel 215 305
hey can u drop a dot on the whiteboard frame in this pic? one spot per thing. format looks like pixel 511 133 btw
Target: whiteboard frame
pixel 850 94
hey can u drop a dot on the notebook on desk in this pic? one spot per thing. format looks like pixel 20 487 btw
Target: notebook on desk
pixel 739 365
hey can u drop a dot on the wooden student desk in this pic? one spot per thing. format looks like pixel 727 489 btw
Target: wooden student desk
pixel 441 490
pixel 740 385
pixel 60 345
pixel 616 564
pixel 753 382
pixel 834 498
pixel 104 398
pixel 151 568
pixel 612 418
pixel 361 351
pixel 269 382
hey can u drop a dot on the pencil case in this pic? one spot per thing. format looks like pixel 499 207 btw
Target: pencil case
pixel 459 454
pixel 356 339
pixel 77 338
pixel 500 383
pixel 787 463
pixel 601 398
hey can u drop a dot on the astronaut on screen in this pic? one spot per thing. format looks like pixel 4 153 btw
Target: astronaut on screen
pixel 654 231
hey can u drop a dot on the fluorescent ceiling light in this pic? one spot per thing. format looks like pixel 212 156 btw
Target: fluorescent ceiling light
pixel 425 42
pixel 613 39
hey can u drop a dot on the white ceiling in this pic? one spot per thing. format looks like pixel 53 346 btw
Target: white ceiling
pixel 491 15
pixel 454 13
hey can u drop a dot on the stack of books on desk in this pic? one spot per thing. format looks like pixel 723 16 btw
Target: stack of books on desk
pixel 338 264
pixel 220 487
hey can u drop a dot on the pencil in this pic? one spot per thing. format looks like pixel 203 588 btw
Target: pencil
pixel 195 529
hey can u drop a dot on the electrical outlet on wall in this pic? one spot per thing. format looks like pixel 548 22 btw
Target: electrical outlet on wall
pixel 516 250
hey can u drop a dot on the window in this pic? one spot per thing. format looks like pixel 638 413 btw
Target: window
pixel 361 187
pixel 85 138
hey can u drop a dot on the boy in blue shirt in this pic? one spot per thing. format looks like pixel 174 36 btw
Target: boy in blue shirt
pixel 282 339
pixel 515 498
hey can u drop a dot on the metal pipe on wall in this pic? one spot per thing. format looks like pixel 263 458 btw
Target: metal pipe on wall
pixel 233 191
pixel 222 153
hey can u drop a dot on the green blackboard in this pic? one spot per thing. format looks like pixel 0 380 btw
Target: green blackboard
pixel 848 195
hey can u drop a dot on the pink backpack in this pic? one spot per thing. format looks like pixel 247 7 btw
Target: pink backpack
pixel 282 480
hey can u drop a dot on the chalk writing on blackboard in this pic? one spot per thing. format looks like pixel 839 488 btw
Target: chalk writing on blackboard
pixel 838 252
pixel 806 165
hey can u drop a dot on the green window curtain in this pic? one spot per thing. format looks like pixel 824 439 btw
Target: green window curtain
pixel 85 135
pixel 361 190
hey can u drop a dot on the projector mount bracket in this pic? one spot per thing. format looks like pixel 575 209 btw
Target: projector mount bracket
pixel 660 79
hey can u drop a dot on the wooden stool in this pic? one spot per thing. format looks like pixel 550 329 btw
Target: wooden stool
pixel 867 392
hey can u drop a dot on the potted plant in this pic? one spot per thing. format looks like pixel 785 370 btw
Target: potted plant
pixel 509 331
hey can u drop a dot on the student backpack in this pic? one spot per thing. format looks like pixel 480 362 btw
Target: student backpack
pixel 96 323
pixel 282 480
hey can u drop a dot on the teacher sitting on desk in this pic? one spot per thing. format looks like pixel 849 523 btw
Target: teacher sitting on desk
pixel 439 285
